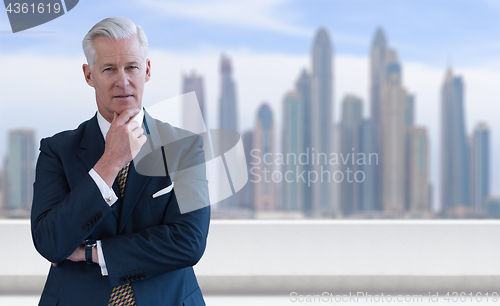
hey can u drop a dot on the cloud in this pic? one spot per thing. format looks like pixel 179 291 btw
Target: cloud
pixel 254 14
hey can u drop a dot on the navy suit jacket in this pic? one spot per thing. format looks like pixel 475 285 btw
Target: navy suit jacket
pixel 146 241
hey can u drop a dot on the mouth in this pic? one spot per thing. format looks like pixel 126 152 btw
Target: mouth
pixel 124 96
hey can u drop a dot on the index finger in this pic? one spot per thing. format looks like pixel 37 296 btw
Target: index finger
pixel 127 115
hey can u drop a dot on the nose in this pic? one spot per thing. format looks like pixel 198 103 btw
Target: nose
pixel 122 79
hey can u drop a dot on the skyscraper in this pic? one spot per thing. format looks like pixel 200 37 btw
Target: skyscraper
pixel 419 169
pixel 366 191
pixel 480 168
pixel 228 114
pixel 378 72
pixel 352 114
pixel 246 194
pixel 493 207
pixel 454 159
pixel 293 135
pixel 193 82
pixel 228 110
pixel 409 123
pixel 321 119
pixel 303 87
pixel 20 170
pixel 393 133
pixel 265 197
pixel 2 188
pixel 3 183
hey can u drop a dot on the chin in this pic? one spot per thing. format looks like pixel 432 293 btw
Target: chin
pixel 125 106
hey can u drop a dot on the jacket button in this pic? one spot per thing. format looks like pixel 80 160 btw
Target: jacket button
pixel 142 276
pixel 123 279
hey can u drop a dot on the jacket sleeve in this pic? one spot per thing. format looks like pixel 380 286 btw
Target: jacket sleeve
pixel 62 217
pixel 178 242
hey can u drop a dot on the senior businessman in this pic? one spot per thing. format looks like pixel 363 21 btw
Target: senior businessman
pixel 111 224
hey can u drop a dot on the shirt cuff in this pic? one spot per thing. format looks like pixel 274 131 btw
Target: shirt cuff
pixel 107 193
pixel 100 255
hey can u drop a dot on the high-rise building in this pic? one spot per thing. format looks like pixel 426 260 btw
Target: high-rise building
pixel 378 72
pixel 493 207
pixel 228 116
pixel 193 82
pixel 410 110
pixel 20 170
pixel 292 141
pixel 393 133
pixel 366 191
pixel 3 183
pixel 228 110
pixel 265 196
pixel 480 168
pixel 419 169
pixel 454 150
pixel 335 168
pixel 2 189
pixel 352 114
pixel 246 194
pixel 409 123
pixel 321 119
pixel 303 87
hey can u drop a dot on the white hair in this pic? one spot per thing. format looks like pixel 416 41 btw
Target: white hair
pixel 116 28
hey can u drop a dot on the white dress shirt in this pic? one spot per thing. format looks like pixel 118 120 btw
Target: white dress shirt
pixel 107 193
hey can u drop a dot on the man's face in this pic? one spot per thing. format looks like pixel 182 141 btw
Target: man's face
pixel 118 75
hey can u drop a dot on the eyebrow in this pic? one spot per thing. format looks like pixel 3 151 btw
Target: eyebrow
pixel 136 63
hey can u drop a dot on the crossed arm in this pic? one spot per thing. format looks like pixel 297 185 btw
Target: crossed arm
pixel 59 211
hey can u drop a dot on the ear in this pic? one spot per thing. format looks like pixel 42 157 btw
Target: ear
pixel 88 75
pixel 148 70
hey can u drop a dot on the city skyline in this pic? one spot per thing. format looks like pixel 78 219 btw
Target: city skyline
pixel 401 108
pixel 404 172
pixel 422 74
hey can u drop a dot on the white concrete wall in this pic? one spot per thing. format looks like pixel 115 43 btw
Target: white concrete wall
pixel 245 257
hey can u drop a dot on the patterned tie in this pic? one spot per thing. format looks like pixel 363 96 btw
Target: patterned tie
pixel 122 179
pixel 122 295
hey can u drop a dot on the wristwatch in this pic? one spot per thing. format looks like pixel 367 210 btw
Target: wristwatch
pixel 89 245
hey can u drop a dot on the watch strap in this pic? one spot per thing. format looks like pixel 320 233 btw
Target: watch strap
pixel 89 245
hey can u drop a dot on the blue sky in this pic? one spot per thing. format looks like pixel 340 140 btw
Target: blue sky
pixel 462 31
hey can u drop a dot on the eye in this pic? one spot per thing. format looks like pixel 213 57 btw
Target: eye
pixel 133 67
pixel 108 69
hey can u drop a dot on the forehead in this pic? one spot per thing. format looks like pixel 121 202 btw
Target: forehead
pixel 110 49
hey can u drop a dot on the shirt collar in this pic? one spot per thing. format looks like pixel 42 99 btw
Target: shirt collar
pixel 104 125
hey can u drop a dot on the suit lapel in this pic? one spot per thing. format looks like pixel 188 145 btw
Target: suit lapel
pixel 136 182
pixel 92 144
pixel 133 189
pixel 92 147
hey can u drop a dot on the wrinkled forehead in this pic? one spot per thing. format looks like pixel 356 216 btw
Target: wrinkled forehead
pixel 124 49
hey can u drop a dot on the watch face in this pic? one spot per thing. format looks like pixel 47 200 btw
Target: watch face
pixel 90 243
